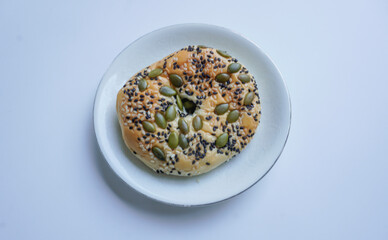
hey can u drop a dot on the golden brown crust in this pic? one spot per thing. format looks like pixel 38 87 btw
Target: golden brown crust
pixel 198 67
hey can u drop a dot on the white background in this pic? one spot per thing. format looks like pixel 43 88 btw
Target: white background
pixel 331 181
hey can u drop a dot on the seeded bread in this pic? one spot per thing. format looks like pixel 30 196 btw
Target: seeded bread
pixel 197 85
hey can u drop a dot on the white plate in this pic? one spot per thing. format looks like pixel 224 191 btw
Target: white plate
pixel 232 177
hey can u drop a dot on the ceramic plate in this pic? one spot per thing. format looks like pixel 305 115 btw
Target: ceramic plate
pixel 232 177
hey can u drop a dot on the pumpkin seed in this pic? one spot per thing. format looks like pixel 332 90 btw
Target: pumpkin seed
pixel 160 120
pixel 183 126
pixel 167 91
pixel 222 77
pixel 173 140
pixel 189 105
pixel 234 67
pixel 233 116
pixel 176 80
pixel 142 85
pixel 202 46
pixel 197 123
pixel 222 140
pixel 221 108
pixel 183 141
pixel 249 98
pixel 170 113
pixel 148 126
pixel 156 72
pixel 179 102
pixel 158 153
pixel 244 78
pixel 223 53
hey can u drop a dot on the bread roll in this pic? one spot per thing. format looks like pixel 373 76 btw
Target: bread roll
pixel 189 112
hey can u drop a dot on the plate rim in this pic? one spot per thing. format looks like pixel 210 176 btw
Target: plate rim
pixel 118 173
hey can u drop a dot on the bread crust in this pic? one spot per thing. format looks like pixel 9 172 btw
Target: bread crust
pixel 198 68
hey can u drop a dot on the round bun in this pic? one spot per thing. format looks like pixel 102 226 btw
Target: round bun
pixel 189 112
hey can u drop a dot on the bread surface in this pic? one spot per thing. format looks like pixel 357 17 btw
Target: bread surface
pixel 198 67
